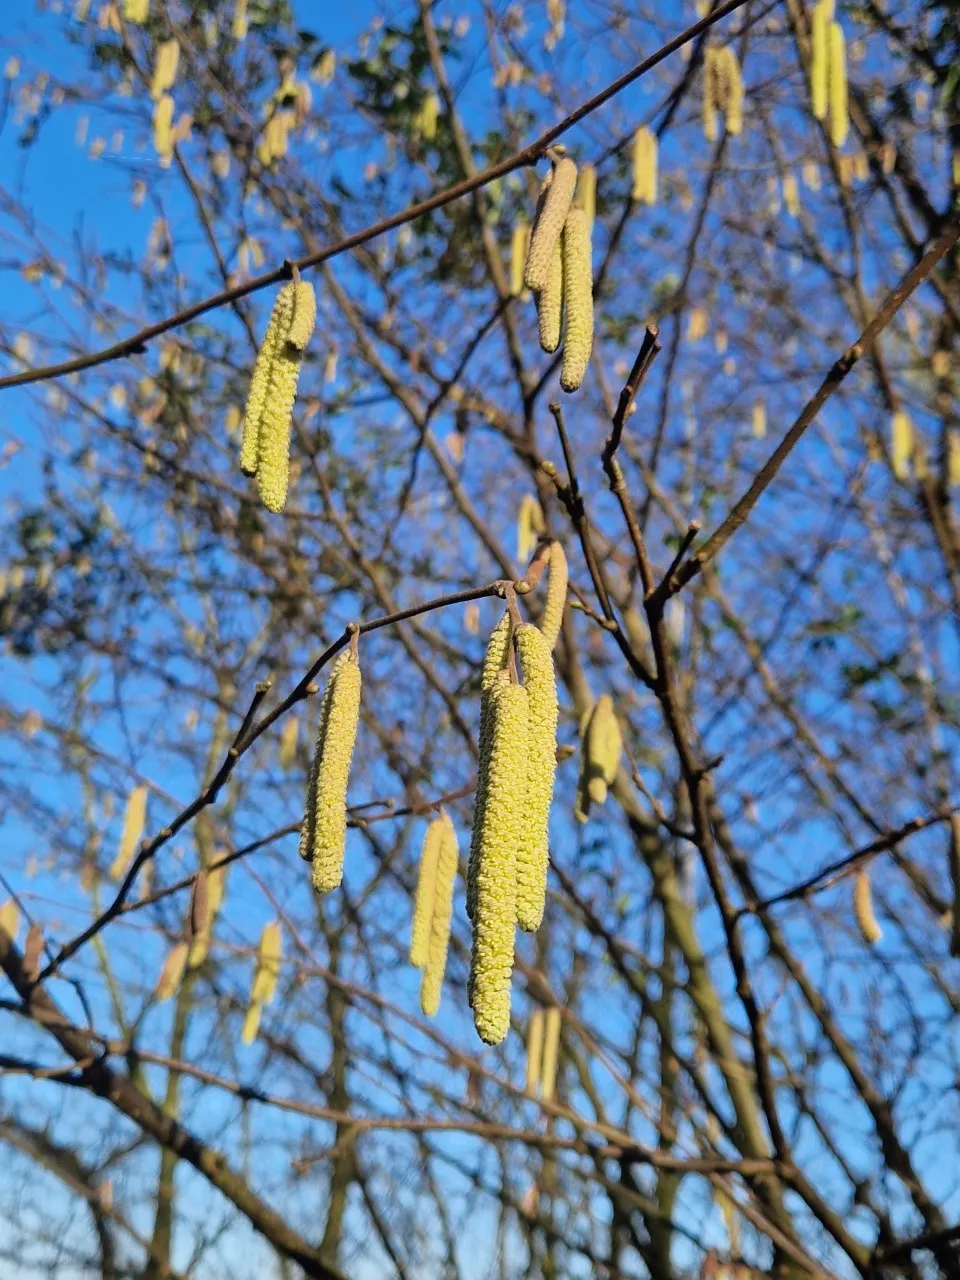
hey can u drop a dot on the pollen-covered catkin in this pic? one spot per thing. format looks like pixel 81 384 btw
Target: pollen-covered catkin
pixel 519 243
pixel 550 222
pixel 710 75
pixel 533 851
pixel 729 68
pixel 439 939
pixel 501 825
pixel 863 909
pixel 534 1051
pixel 577 300
pixel 276 333
pixel 332 776
pixel 308 826
pixel 494 661
pixel 901 444
pixel 600 755
pixel 273 455
pixel 550 303
pixel 557 579
pixel 819 59
pixel 551 1055
pixel 645 166
pixel 426 886
pixel 304 315
pixel 267 969
pixel 164 68
pixel 837 76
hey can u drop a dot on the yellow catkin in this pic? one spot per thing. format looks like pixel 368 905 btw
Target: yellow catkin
pixel 863 909
pixel 556 599
pixel 134 818
pixel 551 218
pixel 519 243
pixel 534 1051
pixel 577 300
pixel 709 104
pixel 428 116
pixel 645 166
pixel 273 454
pixel 424 898
pixel 439 941
pixel 759 419
pixel 327 806
pixel 600 755
pixel 551 1055
pixel 502 820
pixel 819 59
pixel 267 971
pixel 164 68
pixel 304 315
pixel 586 197
pixel 953 459
pixel 276 333
pixel 494 661
pixel 550 304
pixel 309 819
pixel 171 974
pixel 901 444
pixel 728 66
pixel 251 1023
pixel 10 918
pixel 533 851
pixel 240 24
pixel 288 742
pixel 837 76
pixel 162 123
pixel 136 11
pixel 791 195
pixel 530 526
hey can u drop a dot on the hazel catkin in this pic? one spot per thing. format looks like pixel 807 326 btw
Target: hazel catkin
pixel 533 850
pixel 551 216
pixel 519 243
pixel 558 575
pixel 327 802
pixel 577 300
pixel 304 315
pixel 423 901
pixel 501 821
pixel 550 303
pixel 819 57
pixel 439 936
pixel 276 332
pixel 645 166
pixel 863 909
pixel 837 78
pixel 901 444
pixel 494 661
pixel 551 1055
pixel 534 1051
pixel 273 454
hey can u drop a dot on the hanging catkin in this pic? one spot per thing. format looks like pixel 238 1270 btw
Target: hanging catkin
pixel 730 83
pixel 304 315
pixel 820 57
pixel 556 599
pixel 837 76
pixel 134 818
pixel 495 659
pixel 530 525
pixel 534 1051
pixel 863 909
pixel 164 68
pixel 551 1055
pixel 439 940
pixel 710 72
pixel 519 243
pixel 533 850
pixel 550 303
pixel 267 970
pixel 162 128
pixel 600 755
pixel 901 444
pixel 645 166
pixel 577 300
pixel 288 742
pixel 501 821
pixel 426 887
pixel 551 216
pixel 273 456
pixel 325 821
pixel 280 319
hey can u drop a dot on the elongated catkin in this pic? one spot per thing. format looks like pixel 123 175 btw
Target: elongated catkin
pixel 329 788
pixel 732 81
pixel 308 826
pixel 276 333
pixel 556 599
pixel 710 95
pixel 863 909
pixel 519 243
pixel 273 455
pixel 494 661
pixel 501 826
pixel 645 166
pixel 819 60
pixel 304 315
pixel 577 300
pixel 534 1051
pixel 439 940
pixel 837 77
pixel 901 444
pixel 550 222
pixel 267 970
pixel 426 887
pixel 164 68
pixel 551 1055
pixel 533 851
pixel 162 128
pixel 550 304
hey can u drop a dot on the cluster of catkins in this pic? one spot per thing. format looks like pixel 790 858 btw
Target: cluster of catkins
pixel 722 92
pixel 323 835
pixel 828 71
pixel 509 848
pixel 543 1048
pixel 559 270
pixel 265 448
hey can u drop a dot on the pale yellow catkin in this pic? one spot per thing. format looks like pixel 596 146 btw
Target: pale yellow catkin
pixel 424 897
pixel 533 850
pixel 329 807
pixel 519 243
pixel 556 600
pixel 273 456
pixel 240 23
pixel 645 166
pixel 732 81
pixel 251 1023
pixel 551 1055
pixel 600 760
pixel 550 304
pixel 171 975
pixel 502 822
pixel 136 11
pixel 276 333
pixel 837 76
pixel 550 221
pixel 586 197
pixel 530 526
pixel 709 103
pixel 819 59
pixel 577 300
pixel 134 818
pixel 162 127
pixel 439 941
pixel 953 459
pixel 863 909
pixel 164 68
pixel 901 444
pixel 288 742
pixel 304 315
pixel 267 970
pixel 534 1051
pixel 494 661
pixel 309 818
pixel 759 419
pixel 791 195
